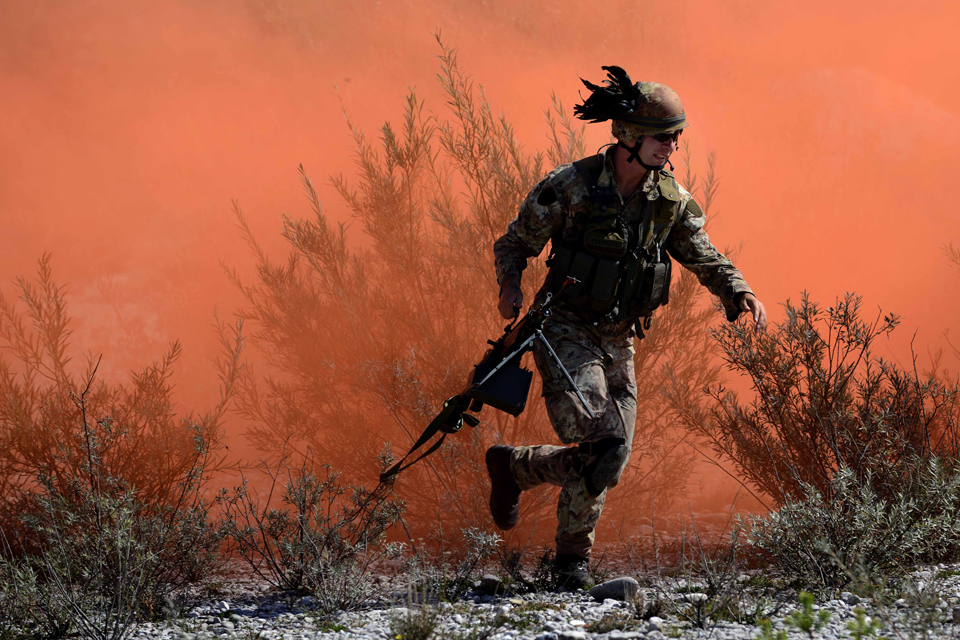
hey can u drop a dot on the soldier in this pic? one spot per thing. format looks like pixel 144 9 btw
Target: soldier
pixel 614 220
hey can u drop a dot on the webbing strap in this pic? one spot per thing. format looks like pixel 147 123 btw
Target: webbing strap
pixel 397 468
pixel 436 425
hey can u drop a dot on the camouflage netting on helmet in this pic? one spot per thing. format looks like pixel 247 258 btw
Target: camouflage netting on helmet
pixel 636 109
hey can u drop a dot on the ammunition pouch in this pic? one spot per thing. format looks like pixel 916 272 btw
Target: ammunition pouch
pixel 598 277
pixel 622 273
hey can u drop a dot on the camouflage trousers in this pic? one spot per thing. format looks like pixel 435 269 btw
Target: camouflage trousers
pixel 602 366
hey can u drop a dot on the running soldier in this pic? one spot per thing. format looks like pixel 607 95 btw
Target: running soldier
pixel 614 220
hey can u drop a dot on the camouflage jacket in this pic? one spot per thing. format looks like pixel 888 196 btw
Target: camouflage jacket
pixel 544 215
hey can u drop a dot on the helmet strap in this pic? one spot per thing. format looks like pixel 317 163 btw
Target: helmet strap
pixel 634 152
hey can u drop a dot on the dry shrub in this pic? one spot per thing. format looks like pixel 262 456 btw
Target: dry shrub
pixel 325 539
pixel 858 453
pixel 363 345
pixel 146 447
pixel 103 514
pixel 823 402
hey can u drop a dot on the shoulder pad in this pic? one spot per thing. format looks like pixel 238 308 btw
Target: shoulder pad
pixel 669 189
pixel 548 195
pixel 694 218
pixel 589 169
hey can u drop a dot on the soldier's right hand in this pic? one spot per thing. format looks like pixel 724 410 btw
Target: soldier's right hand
pixel 511 299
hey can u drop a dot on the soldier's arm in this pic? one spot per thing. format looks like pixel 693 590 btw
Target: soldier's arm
pixel 539 217
pixel 689 245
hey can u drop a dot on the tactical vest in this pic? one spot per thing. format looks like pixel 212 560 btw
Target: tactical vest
pixel 623 269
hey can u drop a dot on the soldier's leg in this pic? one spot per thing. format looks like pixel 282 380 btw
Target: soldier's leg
pixel 579 508
pixel 539 464
pixel 581 503
pixel 622 387
pixel 606 378
pixel 535 465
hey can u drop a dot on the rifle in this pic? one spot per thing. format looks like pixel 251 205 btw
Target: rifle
pixel 497 380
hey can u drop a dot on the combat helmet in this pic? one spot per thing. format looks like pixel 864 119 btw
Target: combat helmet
pixel 635 109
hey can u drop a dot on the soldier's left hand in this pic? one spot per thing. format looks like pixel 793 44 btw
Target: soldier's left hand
pixel 749 302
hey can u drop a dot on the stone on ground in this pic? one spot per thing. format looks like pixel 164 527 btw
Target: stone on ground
pixel 618 589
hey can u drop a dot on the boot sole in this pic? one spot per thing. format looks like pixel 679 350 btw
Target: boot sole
pixel 498 466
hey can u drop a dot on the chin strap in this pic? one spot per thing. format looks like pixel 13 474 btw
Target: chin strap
pixel 634 152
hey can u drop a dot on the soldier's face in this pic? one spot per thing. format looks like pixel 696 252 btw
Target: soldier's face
pixel 656 150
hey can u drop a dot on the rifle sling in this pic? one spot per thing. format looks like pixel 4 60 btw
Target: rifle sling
pixel 397 468
pixel 428 433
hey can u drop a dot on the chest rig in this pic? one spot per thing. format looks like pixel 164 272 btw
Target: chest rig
pixel 623 270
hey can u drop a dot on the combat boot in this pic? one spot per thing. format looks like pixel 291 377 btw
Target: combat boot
pixel 504 492
pixel 571 572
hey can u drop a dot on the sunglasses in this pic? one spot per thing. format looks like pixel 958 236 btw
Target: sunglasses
pixel 664 138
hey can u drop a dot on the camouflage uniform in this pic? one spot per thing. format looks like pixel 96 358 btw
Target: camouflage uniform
pixel 598 355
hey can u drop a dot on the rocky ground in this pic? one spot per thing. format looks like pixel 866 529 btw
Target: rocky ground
pixel 675 608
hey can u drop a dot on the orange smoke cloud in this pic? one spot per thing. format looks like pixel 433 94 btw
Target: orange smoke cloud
pixel 128 128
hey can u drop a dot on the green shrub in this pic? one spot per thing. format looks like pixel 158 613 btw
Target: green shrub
pixel 26 609
pixel 103 558
pixel 416 622
pixel 858 453
pixel 145 445
pixel 804 618
pixel 861 538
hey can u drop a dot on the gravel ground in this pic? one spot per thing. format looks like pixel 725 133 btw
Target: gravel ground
pixel 246 610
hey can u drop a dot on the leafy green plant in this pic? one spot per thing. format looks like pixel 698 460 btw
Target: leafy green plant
pixel 863 626
pixel 103 557
pixel 857 452
pixel 416 622
pixel 144 443
pixel 805 619
pixel 26 608
pixel 767 632
pixel 615 621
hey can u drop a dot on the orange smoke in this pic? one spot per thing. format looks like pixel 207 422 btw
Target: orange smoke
pixel 128 128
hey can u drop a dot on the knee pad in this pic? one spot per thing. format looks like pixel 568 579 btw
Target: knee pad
pixel 609 456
